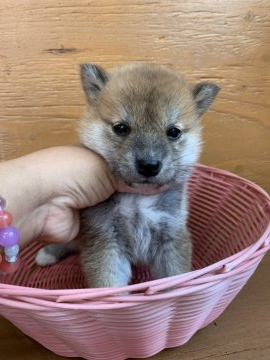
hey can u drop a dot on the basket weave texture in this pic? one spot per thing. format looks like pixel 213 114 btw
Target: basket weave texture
pixel 229 222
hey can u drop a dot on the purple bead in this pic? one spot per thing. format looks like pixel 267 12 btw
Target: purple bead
pixel 9 236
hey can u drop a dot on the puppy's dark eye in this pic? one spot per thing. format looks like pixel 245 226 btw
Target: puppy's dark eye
pixel 121 129
pixel 174 133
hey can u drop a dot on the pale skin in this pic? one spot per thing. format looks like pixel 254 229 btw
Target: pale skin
pixel 46 189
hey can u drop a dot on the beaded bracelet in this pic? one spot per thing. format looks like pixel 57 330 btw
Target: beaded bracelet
pixel 9 238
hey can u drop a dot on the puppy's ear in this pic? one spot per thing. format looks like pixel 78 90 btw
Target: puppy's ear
pixel 93 79
pixel 204 94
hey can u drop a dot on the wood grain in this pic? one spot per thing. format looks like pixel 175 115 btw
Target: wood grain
pixel 226 41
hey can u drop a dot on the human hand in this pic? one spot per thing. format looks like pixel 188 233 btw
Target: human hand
pixel 46 189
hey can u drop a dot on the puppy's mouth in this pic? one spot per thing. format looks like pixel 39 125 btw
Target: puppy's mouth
pixel 152 184
pixel 152 187
pixel 145 182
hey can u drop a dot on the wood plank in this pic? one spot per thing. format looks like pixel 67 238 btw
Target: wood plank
pixel 42 44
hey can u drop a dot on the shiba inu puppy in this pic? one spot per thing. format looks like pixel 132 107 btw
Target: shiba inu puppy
pixel 144 120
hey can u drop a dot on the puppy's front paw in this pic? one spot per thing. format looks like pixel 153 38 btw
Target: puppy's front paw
pixel 45 257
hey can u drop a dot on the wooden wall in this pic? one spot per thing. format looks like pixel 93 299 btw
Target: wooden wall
pixel 227 41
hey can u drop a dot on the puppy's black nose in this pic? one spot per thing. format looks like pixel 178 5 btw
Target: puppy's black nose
pixel 148 167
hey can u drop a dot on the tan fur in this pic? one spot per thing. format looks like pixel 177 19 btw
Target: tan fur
pixel 175 93
pixel 129 229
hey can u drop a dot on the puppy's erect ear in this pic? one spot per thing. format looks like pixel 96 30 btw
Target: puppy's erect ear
pixel 93 79
pixel 204 94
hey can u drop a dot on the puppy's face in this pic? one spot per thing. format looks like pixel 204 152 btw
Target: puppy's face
pixel 144 121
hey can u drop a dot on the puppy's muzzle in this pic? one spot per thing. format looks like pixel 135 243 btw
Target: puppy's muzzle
pixel 148 167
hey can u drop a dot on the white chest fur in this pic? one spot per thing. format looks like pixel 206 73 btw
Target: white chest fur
pixel 140 214
pixel 131 204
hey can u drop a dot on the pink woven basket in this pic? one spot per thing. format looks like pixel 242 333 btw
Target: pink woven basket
pixel 229 222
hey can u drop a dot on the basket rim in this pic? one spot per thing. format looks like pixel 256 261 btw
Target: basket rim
pixel 228 265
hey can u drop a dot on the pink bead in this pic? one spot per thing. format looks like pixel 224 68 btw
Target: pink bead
pixel 5 219
pixel 9 236
pixel 7 267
